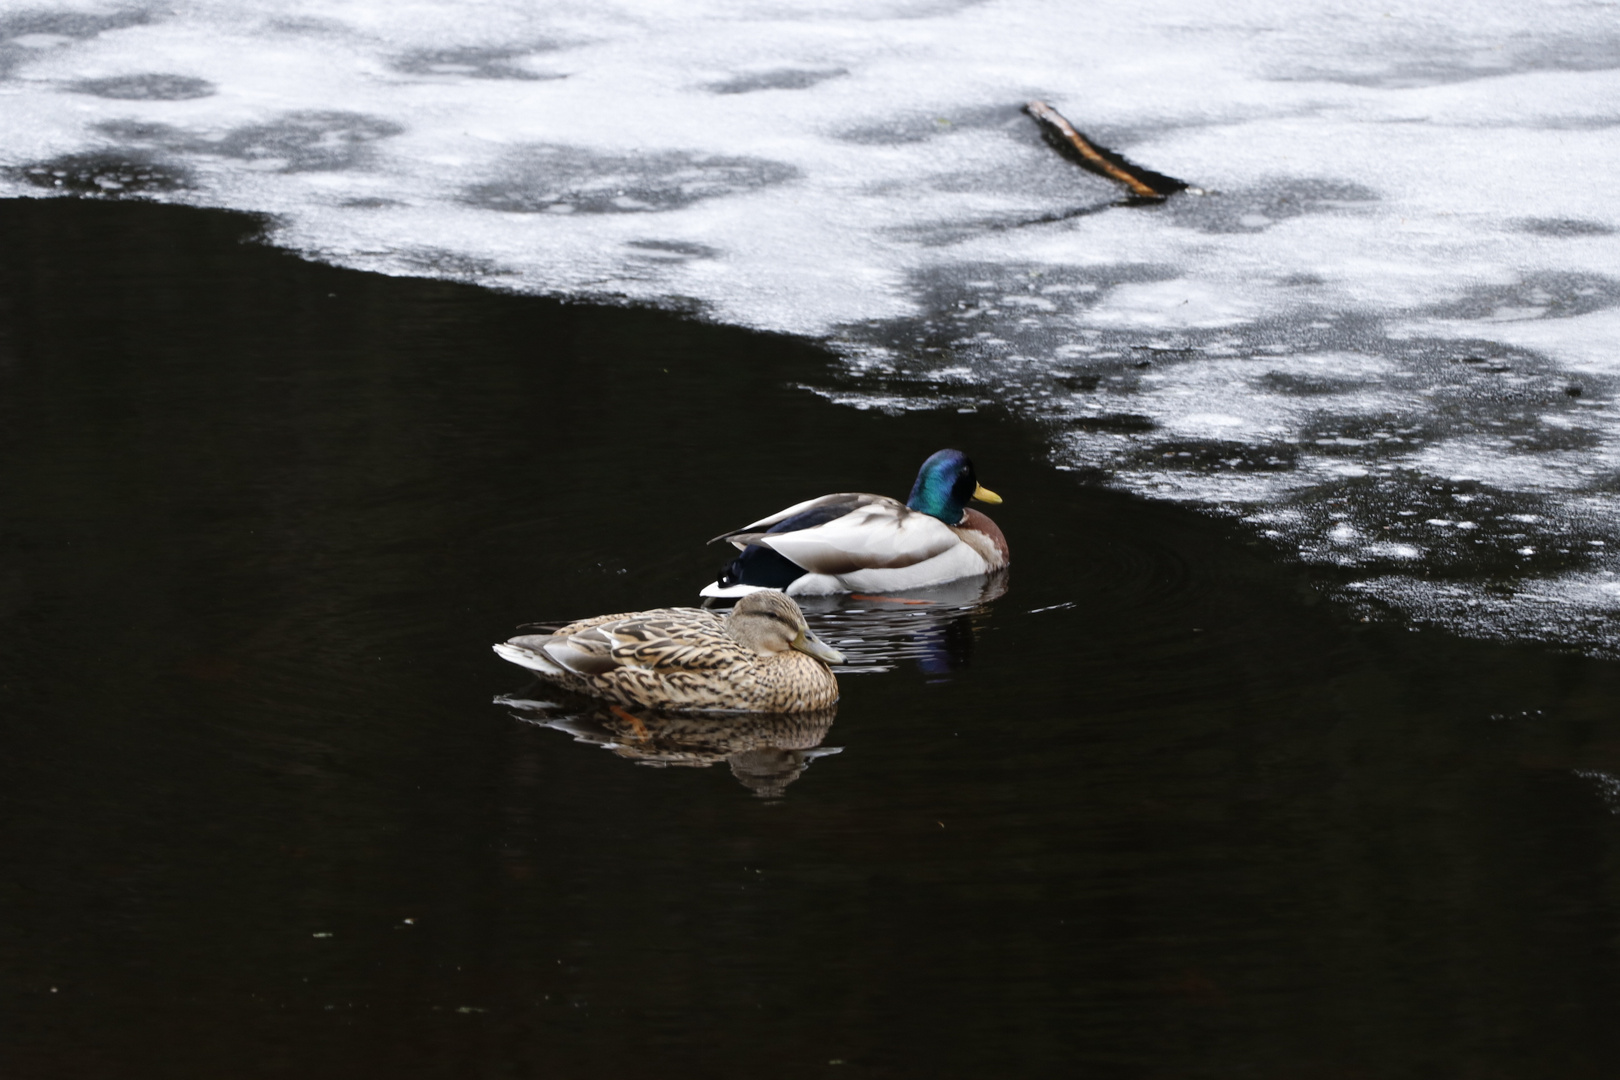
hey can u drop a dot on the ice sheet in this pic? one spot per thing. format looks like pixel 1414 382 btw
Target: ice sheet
pixel 1399 289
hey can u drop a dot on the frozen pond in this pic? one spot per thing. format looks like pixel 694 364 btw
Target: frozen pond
pixel 1384 337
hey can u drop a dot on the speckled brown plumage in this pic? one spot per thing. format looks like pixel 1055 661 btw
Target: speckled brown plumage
pixel 688 659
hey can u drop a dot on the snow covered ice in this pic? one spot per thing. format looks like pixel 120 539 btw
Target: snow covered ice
pixel 1385 336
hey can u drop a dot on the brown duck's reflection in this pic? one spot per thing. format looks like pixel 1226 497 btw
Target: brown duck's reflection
pixel 933 628
pixel 766 751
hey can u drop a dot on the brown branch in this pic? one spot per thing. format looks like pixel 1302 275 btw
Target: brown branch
pixel 1142 183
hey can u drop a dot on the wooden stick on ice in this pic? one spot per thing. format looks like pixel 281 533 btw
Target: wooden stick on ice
pixel 1142 183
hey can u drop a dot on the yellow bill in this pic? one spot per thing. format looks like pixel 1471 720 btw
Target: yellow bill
pixel 985 495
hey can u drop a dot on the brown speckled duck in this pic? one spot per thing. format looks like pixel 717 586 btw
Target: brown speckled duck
pixel 762 657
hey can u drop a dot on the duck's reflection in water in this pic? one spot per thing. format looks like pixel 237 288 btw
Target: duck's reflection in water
pixel 933 628
pixel 766 751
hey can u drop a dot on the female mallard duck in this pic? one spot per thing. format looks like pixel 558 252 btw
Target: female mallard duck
pixel 871 543
pixel 762 657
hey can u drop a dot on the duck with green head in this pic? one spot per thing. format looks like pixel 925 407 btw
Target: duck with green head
pixel 855 542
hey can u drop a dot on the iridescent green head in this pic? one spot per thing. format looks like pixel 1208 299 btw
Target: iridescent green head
pixel 945 485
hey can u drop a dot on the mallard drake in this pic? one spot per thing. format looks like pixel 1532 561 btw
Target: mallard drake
pixel 854 542
pixel 762 657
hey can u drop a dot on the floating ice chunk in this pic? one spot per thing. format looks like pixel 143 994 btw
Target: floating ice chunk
pixel 1389 550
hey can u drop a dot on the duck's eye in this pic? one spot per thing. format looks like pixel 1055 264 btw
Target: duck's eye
pixel 965 486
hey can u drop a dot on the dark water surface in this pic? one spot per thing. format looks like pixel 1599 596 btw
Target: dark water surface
pixel 1155 811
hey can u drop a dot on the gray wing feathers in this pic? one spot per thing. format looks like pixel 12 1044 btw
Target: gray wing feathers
pixel 661 640
pixel 875 536
pixel 583 657
pixel 826 507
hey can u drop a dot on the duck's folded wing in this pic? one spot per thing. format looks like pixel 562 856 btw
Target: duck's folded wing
pixel 871 537
pixel 805 515
pixel 663 641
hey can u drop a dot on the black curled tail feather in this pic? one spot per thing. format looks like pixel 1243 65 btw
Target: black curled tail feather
pixel 763 567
